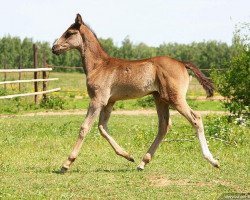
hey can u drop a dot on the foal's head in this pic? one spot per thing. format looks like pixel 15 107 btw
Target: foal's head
pixel 71 38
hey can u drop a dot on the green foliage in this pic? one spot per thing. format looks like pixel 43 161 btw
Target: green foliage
pixel 146 102
pixel 109 46
pixel 3 92
pixel 234 83
pixel 53 102
pixel 222 128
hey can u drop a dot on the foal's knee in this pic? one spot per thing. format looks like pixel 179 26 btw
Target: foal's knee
pixel 83 131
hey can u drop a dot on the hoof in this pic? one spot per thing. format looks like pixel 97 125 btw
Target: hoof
pixel 216 164
pixel 140 168
pixel 131 159
pixel 63 170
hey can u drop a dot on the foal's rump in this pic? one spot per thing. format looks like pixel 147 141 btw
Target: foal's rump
pixel 172 78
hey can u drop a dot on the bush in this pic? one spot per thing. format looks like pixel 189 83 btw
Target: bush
pixel 146 102
pixel 51 102
pixel 226 130
pixel 234 82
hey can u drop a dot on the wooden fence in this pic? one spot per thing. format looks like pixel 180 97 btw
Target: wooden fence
pixel 35 81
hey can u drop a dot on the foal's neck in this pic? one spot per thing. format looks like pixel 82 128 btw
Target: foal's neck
pixel 93 55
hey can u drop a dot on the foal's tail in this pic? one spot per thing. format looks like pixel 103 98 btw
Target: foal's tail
pixel 204 81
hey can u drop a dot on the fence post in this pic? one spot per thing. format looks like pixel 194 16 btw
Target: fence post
pixel 44 74
pixel 20 74
pixel 5 74
pixel 35 73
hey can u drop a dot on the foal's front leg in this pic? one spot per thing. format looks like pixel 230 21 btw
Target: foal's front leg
pixel 93 111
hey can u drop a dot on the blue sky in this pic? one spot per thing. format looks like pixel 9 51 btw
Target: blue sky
pixel 150 21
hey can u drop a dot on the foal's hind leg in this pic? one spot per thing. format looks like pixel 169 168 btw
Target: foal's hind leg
pixel 164 125
pixel 103 120
pixel 195 119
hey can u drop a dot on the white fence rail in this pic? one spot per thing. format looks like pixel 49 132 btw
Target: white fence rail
pixel 44 80
pixel 25 70
pixel 28 81
pixel 29 94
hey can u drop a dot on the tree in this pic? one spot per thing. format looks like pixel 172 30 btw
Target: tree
pixel 27 53
pixel 126 50
pixel 203 54
pixel 109 46
pixel 234 84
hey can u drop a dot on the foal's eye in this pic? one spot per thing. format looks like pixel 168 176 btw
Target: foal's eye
pixel 68 34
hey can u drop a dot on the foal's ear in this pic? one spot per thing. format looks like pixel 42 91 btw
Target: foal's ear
pixel 78 19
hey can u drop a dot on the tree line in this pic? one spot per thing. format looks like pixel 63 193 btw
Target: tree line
pixel 16 52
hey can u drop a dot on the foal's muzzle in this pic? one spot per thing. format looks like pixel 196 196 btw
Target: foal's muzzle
pixel 56 49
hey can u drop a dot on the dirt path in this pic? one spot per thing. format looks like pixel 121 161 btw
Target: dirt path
pixel 115 112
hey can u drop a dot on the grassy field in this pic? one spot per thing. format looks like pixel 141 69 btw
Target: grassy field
pixel 33 148
pixel 73 95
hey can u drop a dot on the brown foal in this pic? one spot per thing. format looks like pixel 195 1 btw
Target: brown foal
pixel 112 79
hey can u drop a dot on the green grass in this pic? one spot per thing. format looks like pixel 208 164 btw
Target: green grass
pixel 74 94
pixel 33 148
pixel 24 105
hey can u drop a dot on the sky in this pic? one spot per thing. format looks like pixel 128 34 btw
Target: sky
pixel 149 21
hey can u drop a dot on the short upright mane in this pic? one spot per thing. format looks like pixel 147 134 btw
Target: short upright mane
pixel 93 32
pixel 88 26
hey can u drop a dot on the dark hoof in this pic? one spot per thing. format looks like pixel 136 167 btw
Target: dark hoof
pixel 131 159
pixel 63 170
pixel 216 164
pixel 140 168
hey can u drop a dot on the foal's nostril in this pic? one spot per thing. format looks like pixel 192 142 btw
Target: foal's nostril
pixel 53 48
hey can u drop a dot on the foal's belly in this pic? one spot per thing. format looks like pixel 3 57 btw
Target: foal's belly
pixel 132 90
pixel 133 80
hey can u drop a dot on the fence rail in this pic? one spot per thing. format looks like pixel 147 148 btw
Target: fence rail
pixel 35 93
pixel 65 67
pixel 35 81
pixel 29 94
pixel 28 81
pixel 25 70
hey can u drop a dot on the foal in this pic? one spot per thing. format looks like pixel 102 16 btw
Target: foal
pixel 112 79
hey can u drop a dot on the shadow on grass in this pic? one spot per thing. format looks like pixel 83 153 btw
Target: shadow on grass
pixel 61 171
pixel 114 170
pixel 58 171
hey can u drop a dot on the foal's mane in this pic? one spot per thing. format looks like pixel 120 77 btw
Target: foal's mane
pixel 93 32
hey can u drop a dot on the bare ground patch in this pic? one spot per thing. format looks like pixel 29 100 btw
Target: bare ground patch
pixel 115 112
pixel 160 181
